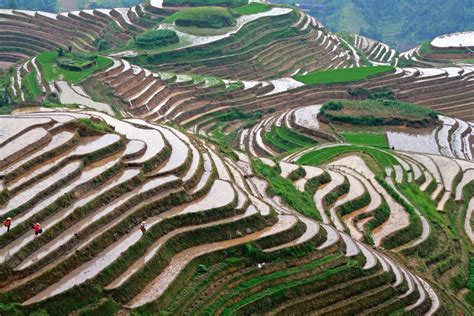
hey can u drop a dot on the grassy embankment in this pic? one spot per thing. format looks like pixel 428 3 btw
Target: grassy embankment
pixel 52 71
pixel 343 75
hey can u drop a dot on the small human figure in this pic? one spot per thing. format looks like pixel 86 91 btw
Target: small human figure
pixel 143 227
pixel 7 223
pixel 37 229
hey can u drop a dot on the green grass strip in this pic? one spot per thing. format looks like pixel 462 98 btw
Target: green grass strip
pixel 300 201
pixel 273 290
pixel 51 71
pixel 248 284
pixel 320 156
pixel 343 75
pixel 371 139
pixel 252 8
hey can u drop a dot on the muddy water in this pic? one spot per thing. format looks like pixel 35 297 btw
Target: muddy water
pixel 352 249
pixel 262 207
pixel 287 168
pixel 87 146
pixel 56 218
pixel 448 168
pixel 30 193
pixel 206 175
pixel 157 287
pixel 105 258
pixel 336 180
pixel 85 176
pixel 24 143
pixel 11 126
pixel 371 260
pixel 331 238
pixel 467 177
pixel 356 190
pixel 91 269
pixel 311 172
pixel 134 147
pixel 57 141
pixel 375 202
pixel 260 185
pixel 236 175
pixel 153 249
pixel 395 269
pixel 221 169
pixel 221 194
pixel 312 229
pixel 68 96
pixel 398 217
pixel 179 149
pixel 308 116
pixel 151 137
pixel 196 159
pixel 78 227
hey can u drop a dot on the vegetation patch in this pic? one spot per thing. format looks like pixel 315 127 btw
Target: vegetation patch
pixel 75 63
pixel 206 17
pixel 283 139
pixel 343 75
pixel 371 139
pixel 377 112
pixel 323 155
pixel 156 38
pixel 252 8
pixel 300 201
pixel 49 64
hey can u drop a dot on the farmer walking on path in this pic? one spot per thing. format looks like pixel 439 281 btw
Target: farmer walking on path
pixel 143 227
pixel 7 223
pixel 37 229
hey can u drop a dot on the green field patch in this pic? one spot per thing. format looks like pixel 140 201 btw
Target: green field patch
pixel 202 17
pixel 284 139
pixel 252 8
pixel 31 86
pixel 327 154
pixel 300 201
pixel 343 75
pixel 232 310
pixel 52 71
pixel 378 112
pixel 156 38
pixel 423 202
pixel 370 139
pixel 251 283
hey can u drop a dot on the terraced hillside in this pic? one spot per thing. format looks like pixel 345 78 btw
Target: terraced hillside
pixel 266 167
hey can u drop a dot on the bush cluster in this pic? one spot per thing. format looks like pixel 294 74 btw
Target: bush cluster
pixel 378 112
pixel 156 38
pixel 205 17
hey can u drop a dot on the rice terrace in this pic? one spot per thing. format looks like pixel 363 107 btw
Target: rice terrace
pixel 227 157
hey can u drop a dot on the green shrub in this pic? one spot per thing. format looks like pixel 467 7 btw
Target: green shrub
pixel 297 174
pixel 105 307
pixel 207 17
pixel 156 38
pixel 378 112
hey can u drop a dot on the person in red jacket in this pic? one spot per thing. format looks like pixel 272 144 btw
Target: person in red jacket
pixel 7 223
pixel 37 229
